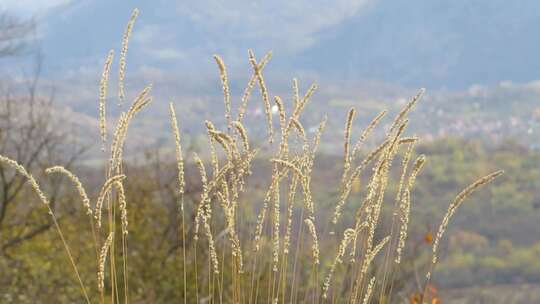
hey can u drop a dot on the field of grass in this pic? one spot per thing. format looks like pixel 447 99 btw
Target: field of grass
pixel 237 241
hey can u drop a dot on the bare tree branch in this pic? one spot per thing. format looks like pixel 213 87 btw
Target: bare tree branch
pixel 14 34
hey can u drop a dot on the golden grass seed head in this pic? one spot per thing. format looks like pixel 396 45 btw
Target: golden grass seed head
pixel 103 192
pixel 226 90
pixel 369 290
pixel 243 135
pixel 276 239
pixel 347 136
pixel 296 93
pixel 101 263
pixel 178 149
pixel 142 100
pixel 123 53
pixel 213 154
pixel 204 194
pixel 460 198
pixel 313 233
pixel 103 85
pixel 348 236
pixel 123 206
pixel 282 114
pixel 264 93
pixel 259 227
pixel 299 107
pixel 292 193
pixel 289 165
pixel 365 134
pixel 316 143
pixel 405 203
pixel 405 111
pixel 76 182
pixel 372 253
pixel 31 180
pixel 250 85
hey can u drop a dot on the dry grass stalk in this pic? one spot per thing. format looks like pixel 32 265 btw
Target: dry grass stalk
pixel 347 142
pixel 346 162
pixel 259 227
pixel 367 131
pixel 226 142
pixel 369 290
pixel 296 93
pixel 384 168
pixel 348 236
pixel 103 193
pixel 178 149
pixel 274 183
pixel 122 205
pixel 346 188
pixel 282 114
pixel 315 246
pixel 243 135
pixel 316 143
pixel 213 154
pixel 264 93
pixel 101 263
pixel 204 212
pixel 22 171
pixel 276 231
pixel 460 198
pixel 226 90
pixel 408 140
pixel 211 246
pixel 292 193
pixel 251 84
pixel 405 165
pixel 289 165
pixel 120 134
pixel 405 205
pixel 299 107
pixel 123 53
pixel 204 195
pixel 298 127
pixel 367 205
pixel 103 84
pixel 181 188
pixel 372 253
pixel 78 185
pixel 405 111
pixel 228 208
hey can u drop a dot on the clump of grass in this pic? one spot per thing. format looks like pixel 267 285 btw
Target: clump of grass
pixel 271 246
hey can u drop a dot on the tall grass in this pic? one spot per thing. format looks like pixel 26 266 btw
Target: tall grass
pixel 275 257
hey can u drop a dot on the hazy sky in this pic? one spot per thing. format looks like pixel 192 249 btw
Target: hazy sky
pixel 438 44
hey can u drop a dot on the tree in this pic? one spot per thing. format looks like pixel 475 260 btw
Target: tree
pixel 14 34
pixel 29 134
